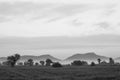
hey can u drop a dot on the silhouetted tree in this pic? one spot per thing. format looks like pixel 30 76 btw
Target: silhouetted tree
pixel 36 64
pixel 56 64
pixel 111 61
pixel 48 62
pixel 84 63
pixel 13 59
pixel 79 63
pixel 92 64
pixel 26 63
pixel 30 62
pixel 42 63
pixel 99 61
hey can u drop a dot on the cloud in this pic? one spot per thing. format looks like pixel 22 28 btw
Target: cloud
pixel 21 9
pixel 103 25
pixel 49 11
pixel 76 23
pixel 37 11
pixel 3 19
pixel 59 19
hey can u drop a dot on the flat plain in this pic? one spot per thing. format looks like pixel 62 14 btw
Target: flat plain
pixel 63 73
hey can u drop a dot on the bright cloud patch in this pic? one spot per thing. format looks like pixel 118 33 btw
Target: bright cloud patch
pixel 63 18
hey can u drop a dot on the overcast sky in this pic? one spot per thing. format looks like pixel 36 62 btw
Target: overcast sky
pixel 68 18
pixel 31 18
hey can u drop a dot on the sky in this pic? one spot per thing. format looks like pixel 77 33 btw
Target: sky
pixel 48 18
pixel 28 18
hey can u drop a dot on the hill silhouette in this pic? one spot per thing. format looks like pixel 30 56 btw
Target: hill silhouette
pixel 35 58
pixel 91 56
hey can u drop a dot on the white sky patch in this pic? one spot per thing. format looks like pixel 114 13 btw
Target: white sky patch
pixel 55 19
pixel 64 1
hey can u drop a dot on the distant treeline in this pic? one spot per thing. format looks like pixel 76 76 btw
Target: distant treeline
pixel 13 61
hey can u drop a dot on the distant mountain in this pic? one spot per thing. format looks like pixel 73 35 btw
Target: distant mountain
pixel 117 59
pixel 3 59
pixel 91 56
pixel 42 57
pixel 35 58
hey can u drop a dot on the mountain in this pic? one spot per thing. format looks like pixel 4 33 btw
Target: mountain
pixel 2 59
pixel 44 57
pixel 35 58
pixel 91 56
pixel 117 59
pixel 39 58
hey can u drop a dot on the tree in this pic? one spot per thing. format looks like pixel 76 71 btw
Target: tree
pixel 13 59
pixel 57 64
pixel 48 62
pixel 42 63
pixel 26 63
pixel 17 57
pixel 92 64
pixel 84 63
pixel 36 64
pixel 30 62
pixel 111 61
pixel 99 60
pixel 79 63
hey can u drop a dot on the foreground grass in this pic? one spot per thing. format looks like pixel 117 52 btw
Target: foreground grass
pixel 64 73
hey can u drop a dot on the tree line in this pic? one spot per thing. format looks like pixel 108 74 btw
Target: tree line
pixel 13 59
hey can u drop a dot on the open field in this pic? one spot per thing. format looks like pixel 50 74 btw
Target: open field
pixel 64 73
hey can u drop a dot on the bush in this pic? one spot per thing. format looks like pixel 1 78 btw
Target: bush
pixel 36 64
pixel 79 63
pixel 92 64
pixel 20 64
pixel 57 64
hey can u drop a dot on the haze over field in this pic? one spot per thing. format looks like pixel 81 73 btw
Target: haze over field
pixel 60 27
pixel 108 45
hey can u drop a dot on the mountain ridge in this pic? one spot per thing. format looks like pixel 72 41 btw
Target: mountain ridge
pixel 36 58
pixel 90 56
pixel 87 56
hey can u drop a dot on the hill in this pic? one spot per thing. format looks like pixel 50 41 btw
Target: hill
pixel 91 56
pixel 117 59
pixel 35 58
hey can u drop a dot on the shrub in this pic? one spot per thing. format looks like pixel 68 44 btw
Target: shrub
pixel 42 63
pixel 36 64
pixel 111 61
pixel 30 62
pixel 92 64
pixel 20 64
pixel 57 64
pixel 79 63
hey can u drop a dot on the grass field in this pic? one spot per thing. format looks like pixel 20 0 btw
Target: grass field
pixel 64 73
